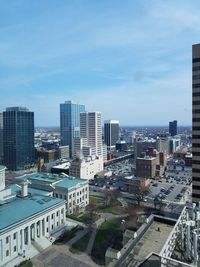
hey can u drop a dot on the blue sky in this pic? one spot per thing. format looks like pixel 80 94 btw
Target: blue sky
pixel 129 59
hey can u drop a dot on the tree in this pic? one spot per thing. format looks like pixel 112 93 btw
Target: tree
pixel 110 195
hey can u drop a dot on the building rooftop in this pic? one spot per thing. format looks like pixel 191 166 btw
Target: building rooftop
pixel 55 179
pixel 70 182
pixel 152 241
pixel 22 208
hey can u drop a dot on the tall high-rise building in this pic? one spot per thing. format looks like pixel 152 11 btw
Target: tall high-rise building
pixel 196 122
pixel 18 138
pixel 173 128
pixel 91 131
pixel 1 137
pixel 70 123
pixel 111 133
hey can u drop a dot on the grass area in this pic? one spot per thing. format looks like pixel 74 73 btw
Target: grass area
pixel 67 235
pixel 96 199
pixel 81 244
pixel 115 207
pixel 26 264
pixel 108 235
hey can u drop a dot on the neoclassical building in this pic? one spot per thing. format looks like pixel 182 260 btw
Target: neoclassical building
pixel 28 222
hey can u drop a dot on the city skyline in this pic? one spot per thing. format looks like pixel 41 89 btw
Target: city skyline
pixel 104 55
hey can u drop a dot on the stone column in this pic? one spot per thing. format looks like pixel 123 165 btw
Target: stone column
pixel 40 228
pixel 29 235
pixel 35 231
pixel 22 239
pixel 1 249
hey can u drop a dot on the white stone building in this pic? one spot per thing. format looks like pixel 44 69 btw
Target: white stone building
pixel 86 168
pixel 27 222
pixel 73 190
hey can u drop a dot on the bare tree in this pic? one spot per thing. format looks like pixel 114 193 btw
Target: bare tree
pixel 110 195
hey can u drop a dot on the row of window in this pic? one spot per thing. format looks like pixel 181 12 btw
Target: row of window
pixel 194 161
pixel 196 68
pixel 196 102
pixel 196 60
pixel 197 85
pixel 195 136
pixel 196 128
pixel 8 252
pixel 196 77
pixel 194 170
pixel 196 120
pixel 196 94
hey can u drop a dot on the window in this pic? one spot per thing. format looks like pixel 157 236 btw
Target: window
pixel 7 240
pixel 47 229
pixel 52 227
pixel 14 235
pixel 57 213
pixel 15 248
pixel 51 216
pixel 70 196
pixel 56 195
pixel 7 253
pixel 47 219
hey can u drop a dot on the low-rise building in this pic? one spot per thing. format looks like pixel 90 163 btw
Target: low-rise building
pixel 86 168
pixel 27 222
pixel 73 190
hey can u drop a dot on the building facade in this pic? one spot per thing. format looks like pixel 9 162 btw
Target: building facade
pixel 18 136
pixel 111 133
pixel 74 191
pixel 86 168
pixel 70 123
pixel 173 128
pixel 196 123
pixel 28 222
pixel 91 131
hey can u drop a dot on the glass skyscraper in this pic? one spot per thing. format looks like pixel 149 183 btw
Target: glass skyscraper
pixel 70 123
pixel 18 138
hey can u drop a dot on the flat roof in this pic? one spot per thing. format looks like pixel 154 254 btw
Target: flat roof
pixel 22 208
pixel 70 182
pixel 55 179
pixel 42 177
pixel 153 240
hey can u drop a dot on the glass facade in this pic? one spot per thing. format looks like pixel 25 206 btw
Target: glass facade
pixel 18 138
pixel 70 123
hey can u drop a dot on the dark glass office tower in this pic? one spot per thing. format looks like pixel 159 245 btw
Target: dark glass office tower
pixel 18 138
pixel 173 128
pixel 196 123
pixel 111 133
pixel 70 123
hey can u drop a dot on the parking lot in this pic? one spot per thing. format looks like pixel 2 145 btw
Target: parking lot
pixel 173 187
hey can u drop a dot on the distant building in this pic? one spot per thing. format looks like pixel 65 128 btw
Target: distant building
pixel 105 153
pixel 18 135
pixel 146 167
pixel 70 123
pixel 63 152
pixel 173 128
pixel 86 168
pixel 195 123
pixel 47 155
pixel 91 132
pixel 141 145
pixel 174 144
pixel 111 133
pixel 121 145
pixel 162 144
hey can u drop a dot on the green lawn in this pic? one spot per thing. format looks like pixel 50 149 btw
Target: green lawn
pixel 96 199
pixel 26 264
pixel 109 234
pixel 81 245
